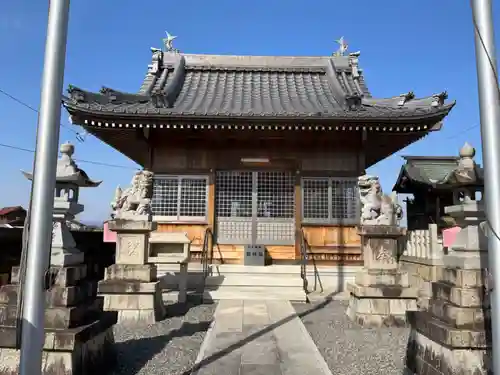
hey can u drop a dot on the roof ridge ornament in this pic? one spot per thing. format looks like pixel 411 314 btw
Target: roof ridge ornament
pixel 439 99
pixel 343 46
pixel 156 61
pixel 406 97
pixel 354 64
pixel 354 101
pixel 168 42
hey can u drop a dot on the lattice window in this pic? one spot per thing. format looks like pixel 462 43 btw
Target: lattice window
pixel 234 194
pixel 329 200
pixel 275 195
pixel 180 198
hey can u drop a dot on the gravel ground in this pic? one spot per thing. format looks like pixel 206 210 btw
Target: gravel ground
pixel 168 347
pixel 349 349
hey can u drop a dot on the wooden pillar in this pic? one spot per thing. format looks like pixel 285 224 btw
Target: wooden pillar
pixel 151 157
pixel 298 214
pixel 145 135
pixel 211 211
pixel 362 154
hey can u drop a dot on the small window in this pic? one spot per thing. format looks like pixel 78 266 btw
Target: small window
pixel 180 198
pixel 329 200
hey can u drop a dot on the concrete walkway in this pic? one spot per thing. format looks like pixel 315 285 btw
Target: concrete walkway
pixel 258 338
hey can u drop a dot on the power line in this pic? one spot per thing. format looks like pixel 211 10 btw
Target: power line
pixel 79 160
pixel 494 71
pixel 463 131
pixel 483 45
pixel 80 137
pixel 492 66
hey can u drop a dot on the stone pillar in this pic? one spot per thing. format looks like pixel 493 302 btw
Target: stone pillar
pixel 78 334
pixel 130 286
pixel 452 335
pixel 381 294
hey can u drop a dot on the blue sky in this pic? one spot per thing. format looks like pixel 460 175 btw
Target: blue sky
pixel 426 46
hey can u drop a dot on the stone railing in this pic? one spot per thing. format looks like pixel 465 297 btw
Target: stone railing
pixel 424 243
pixel 421 258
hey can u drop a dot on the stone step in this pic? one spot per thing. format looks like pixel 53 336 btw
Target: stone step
pixel 217 269
pixel 253 280
pixel 244 293
pixel 331 278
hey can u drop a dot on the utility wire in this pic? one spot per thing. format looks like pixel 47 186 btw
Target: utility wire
pixel 79 160
pixel 490 59
pixel 492 66
pixel 463 131
pixel 80 137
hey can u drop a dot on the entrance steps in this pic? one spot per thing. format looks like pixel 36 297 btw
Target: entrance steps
pixel 223 282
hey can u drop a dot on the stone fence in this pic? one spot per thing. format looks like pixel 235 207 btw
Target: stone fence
pixel 422 254
pixel 424 243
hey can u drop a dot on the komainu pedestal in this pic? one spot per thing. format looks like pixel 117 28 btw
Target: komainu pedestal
pixel 381 295
pixel 130 286
pixel 453 335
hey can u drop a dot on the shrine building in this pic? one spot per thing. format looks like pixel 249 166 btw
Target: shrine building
pixel 427 182
pixel 261 149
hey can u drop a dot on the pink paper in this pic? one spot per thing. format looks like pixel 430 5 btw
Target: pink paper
pixel 449 236
pixel 109 236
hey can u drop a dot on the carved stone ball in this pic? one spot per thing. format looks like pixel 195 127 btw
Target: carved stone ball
pixel 67 148
pixel 467 151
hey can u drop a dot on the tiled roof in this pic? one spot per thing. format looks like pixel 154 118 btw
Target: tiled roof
pixel 199 86
pixel 428 171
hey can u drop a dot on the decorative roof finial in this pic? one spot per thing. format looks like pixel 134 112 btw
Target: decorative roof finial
pixel 169 43
pixel 467 151
pixel 343 46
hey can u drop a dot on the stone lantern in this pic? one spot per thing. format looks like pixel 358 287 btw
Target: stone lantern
pixel 69 180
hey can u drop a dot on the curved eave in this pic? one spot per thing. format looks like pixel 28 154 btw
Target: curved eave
pixel 163 116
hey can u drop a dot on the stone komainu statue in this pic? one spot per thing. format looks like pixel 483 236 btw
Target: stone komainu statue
pixel 134 203
pixel 377 208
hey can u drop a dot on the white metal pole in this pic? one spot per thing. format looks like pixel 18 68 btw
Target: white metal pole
pixel 489 105
pixel 44 179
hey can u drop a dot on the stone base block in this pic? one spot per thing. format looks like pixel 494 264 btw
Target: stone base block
pixel 437 348
pixel 132 272
pixel 79 351
pixel 379 306
pixel 382 291
pixel 60 276
pixel 134 301
pixel 134 225
pixel 146 316
pixel 64 258
pixel 467 297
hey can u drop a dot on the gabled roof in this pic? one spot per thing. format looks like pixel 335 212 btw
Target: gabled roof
pixel 427 171
pixel 187 86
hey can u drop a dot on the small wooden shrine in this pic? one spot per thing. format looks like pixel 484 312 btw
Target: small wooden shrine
pixel 427 179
